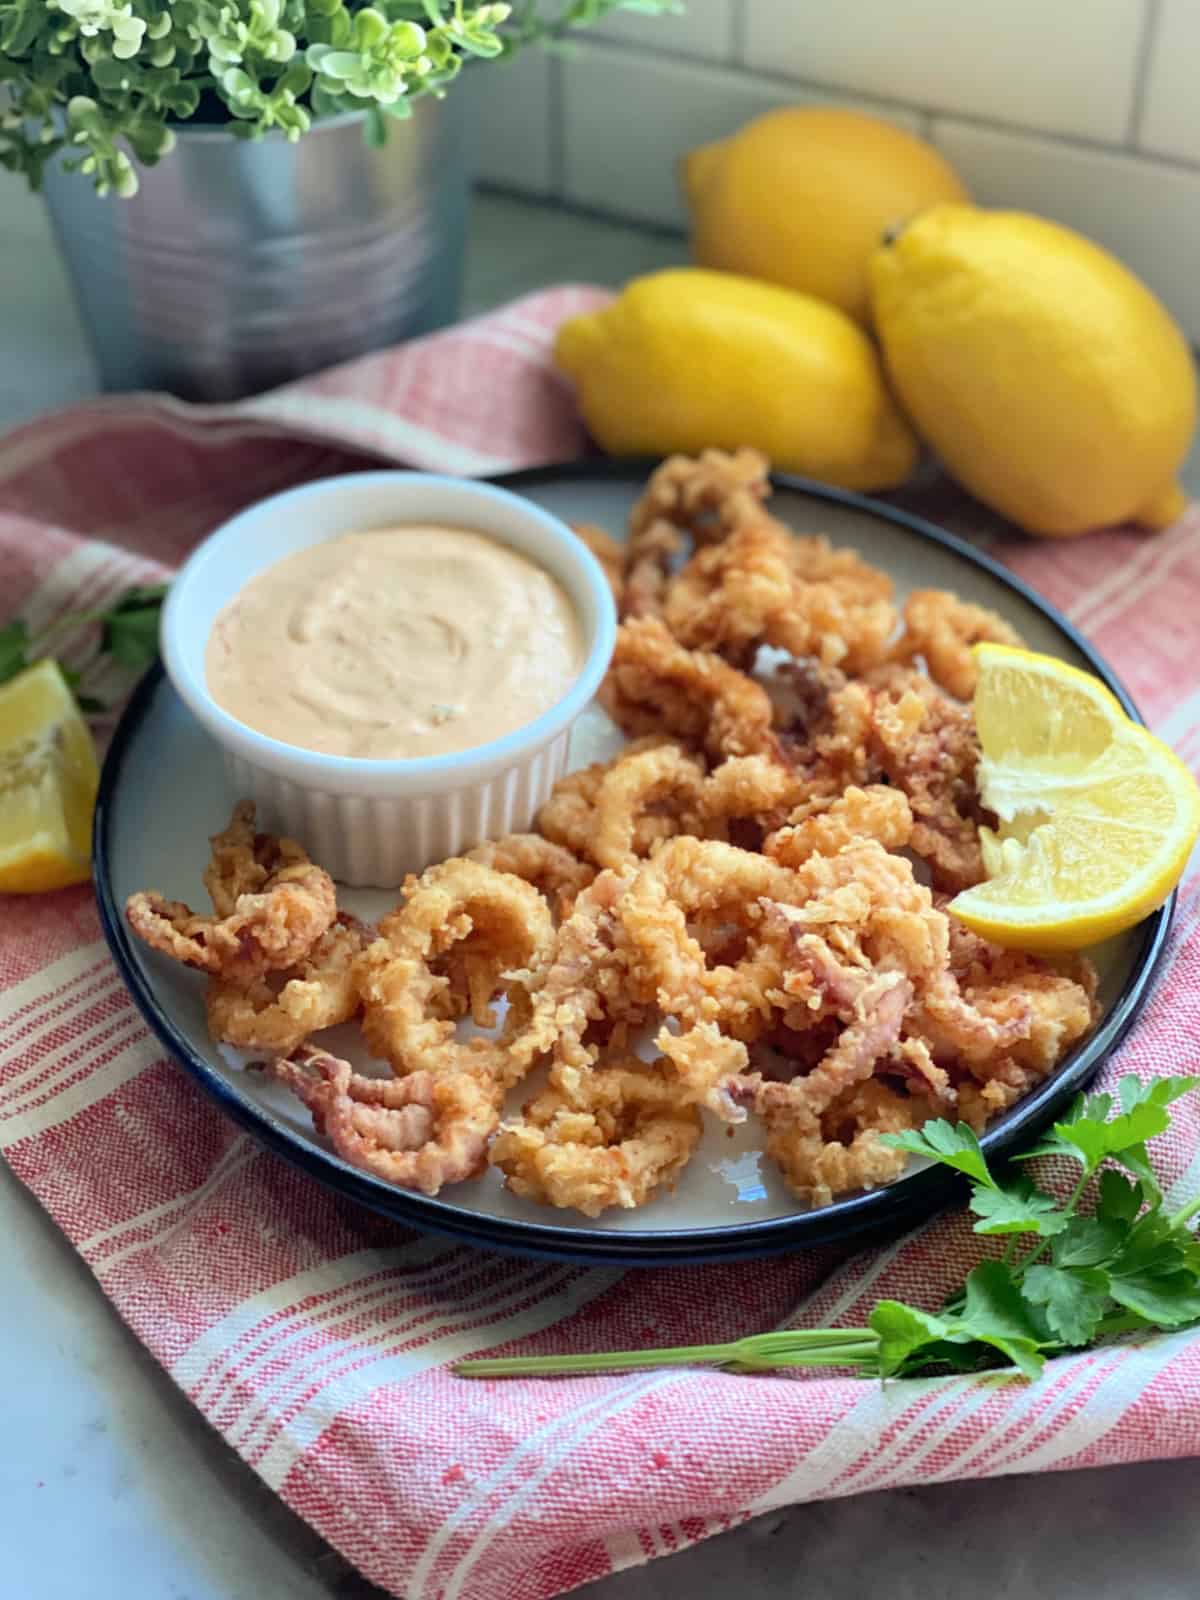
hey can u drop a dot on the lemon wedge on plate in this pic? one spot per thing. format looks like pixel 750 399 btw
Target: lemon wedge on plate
pixel 1097 816
pixel 48 780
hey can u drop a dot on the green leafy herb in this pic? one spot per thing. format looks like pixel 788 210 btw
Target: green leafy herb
pixel 128 634
pixel 1128 1265
pixel 104 80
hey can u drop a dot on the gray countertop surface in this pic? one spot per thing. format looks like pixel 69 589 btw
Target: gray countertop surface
pixel 112 1486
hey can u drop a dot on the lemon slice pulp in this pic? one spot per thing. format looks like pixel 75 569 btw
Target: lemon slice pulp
pixel 1097 816
pixel 48 780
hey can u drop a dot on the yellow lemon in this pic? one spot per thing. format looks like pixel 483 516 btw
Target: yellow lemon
pixel 685 360
pixel 1097 816
pixel 1051 382
pixel 48 781
pixel 802 196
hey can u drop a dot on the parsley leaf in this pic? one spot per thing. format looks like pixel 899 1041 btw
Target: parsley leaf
pixel 1017 1207
pixel 130 633
pixel 1088 1138
pixel 1087 1241
pixel 1118 1200
pixel 903 1332
pixel 996 1314
pixel 1166 1299
pixel 955 1147
pixel 14 639
pixel 1073 1302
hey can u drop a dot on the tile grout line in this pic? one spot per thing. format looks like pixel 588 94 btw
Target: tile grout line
pixel 739 30
pixel 760 76
pixel 556 130
pixel 1151 21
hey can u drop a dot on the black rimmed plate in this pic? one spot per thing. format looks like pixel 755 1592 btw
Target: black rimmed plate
pixel 164 790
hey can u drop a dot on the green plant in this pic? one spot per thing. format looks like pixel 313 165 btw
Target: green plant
pixel 1130 1266
pixel 108 79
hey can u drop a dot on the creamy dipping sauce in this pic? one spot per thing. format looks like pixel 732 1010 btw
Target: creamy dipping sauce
pixel 395 643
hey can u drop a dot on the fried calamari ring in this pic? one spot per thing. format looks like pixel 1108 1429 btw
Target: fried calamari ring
pixel 654 685
pixel 279 1010
pixel 705 495
pixel 691 881
pixel 419 1132
pixel 829 824
pixel 265 929
pixel 941 628
pixel 703 498
pixel 568 818
pixel 598 1137
pixel 849 1154
pixel 404 1011
pixel 628 791
pixel 555 871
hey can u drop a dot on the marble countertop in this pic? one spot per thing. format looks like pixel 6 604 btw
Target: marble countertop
pixel 111 1485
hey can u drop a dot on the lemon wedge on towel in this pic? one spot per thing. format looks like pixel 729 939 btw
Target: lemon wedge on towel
pixel 48 780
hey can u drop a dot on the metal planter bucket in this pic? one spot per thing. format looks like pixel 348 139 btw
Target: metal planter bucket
pixel 241 265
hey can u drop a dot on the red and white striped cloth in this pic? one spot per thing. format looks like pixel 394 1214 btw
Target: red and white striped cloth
pixel 315 1336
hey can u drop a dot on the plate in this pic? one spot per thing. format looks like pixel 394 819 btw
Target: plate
pixel 164 790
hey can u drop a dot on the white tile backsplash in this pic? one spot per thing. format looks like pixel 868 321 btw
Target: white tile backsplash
pixel 1067 66
pixel 514 135
pixel 705 29
pixel 1084 110
pixel 627 120
pixel 1145 212
pixel 1170 122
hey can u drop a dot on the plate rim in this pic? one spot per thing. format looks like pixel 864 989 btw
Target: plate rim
pixel 889 1209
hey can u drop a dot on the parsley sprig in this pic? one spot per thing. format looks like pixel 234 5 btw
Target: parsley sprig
pixel 1066 1278
pixel 128 636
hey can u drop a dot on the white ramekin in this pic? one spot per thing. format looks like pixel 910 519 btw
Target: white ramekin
pixel 370 822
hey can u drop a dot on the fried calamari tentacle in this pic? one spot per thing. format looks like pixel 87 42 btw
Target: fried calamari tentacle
pixel 279 1010
pixel 654 685
pixel 827 825
pixel 419 1132
pixel 594 986
pixel 708 1067
pixel 609 552
pixel 755 790
pixel 692 886
pixel 265 929
pixel 555 871
pixel 925 743
pixel 941 628
pixel 598 1137
pixel 813 1167
pixel 508 926
pixel 631 788
pixel 240 860
pixel 766 585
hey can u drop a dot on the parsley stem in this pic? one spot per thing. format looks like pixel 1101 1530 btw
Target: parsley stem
pixel 1185 1213
pixel 798 1347
pixel 1068 1211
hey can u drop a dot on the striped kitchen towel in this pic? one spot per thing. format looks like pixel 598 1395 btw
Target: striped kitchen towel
pixel 315 1336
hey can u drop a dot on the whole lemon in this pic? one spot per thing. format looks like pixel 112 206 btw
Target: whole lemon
pixel 802 196
pixel 1051 382
pixel 686 359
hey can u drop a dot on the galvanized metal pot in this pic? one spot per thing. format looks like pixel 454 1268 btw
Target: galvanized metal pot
pixel 241 265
